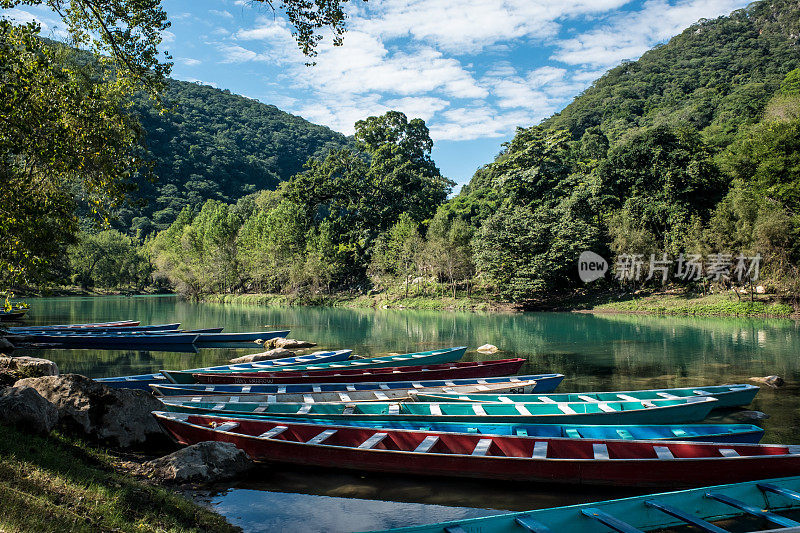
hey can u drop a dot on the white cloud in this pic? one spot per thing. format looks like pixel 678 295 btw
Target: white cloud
pixel 423 107
pixel 221 13
pixel 238 54
pixel 470 25
pixel 629 35
pixel 167 37
pixel 189 61
pixel 201 82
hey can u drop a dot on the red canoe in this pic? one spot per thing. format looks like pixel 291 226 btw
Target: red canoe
pixel 477 369
pixel 552 460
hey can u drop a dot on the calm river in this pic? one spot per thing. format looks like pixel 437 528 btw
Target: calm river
pixel 595 352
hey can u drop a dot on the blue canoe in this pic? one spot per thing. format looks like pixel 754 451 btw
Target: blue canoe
pixel 143 381
pixel 720 433
pixel 82 330
pixel 727 395
pixel 750 506
pixel 544 383
pixel 109 340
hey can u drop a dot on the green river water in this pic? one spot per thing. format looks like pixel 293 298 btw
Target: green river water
pixel 595 352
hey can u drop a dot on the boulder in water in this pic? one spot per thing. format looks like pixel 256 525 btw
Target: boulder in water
pixel 276 353
pixel 770 381
pixel 488 348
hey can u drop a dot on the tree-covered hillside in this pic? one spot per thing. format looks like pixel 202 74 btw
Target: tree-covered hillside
pixel 211 144
pixel 716 76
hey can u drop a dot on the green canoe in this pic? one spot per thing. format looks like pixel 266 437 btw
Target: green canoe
pixel 644 412
pixel 431 357
pixel 727 396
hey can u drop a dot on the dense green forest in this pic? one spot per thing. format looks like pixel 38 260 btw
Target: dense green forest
pixel 211 144
pixel 692 150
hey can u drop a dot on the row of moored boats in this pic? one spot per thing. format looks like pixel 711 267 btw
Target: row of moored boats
pixel 430 413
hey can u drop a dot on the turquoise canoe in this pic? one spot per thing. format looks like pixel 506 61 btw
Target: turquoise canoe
pixel 749 506
pixel 608 413
pixel 727 396
pixel 431 357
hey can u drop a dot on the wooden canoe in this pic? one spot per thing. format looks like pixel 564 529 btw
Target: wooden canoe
pixel 544 383
pixel 757 504
pixel 728 396
pixel 94 329
pixel 143 381
pixel 447 371
pixel 351 396
pixel 112 339
pixel 610 413
pixel 120 323
pixel 419 358
pixel 730 433
pixel 563 461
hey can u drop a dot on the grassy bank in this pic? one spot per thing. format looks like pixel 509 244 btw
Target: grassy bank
pixel 60 484
pixel 378 301
pixel 724 304
pixel 697 305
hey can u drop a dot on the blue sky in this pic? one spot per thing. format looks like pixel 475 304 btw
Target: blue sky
pixel 474 70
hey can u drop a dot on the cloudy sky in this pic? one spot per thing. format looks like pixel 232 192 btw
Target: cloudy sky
pixel 474 70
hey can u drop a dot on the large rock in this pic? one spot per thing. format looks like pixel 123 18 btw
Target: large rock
pixel 275 353
pixel 28 367
pixel 488 348
pixel 288 344
pixel 120 417
pixel 25 408
pixel 205 461
pixel 6 345
pixel 770 381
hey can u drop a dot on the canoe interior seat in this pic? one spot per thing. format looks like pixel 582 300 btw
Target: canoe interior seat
pixel 609 521
pixel 482 447
pixel 540 450
pixel 505 399
pixel 316 388
pixel 728 452
pixel 521 409
pixel 769 487
pixel 344 397
pixel 546 399
pixel 305 408
pixel 322 437
pixel 572 433
pixel 624 434
pixel 663 452
pixel 678 432
pixel 586 398
pixel 627 398
pixel 435 409
pixel 219 407
pixel 233 399
pixel 522 432
pixel 307 398
pixel 272 398
pixel 373 441
pixel 668 396
pixel 566 409
pixel 394 409
pixel 380 395
pixel 529 524
pixel 606 408
pixel 277 430
pixel 227 426
pixel 686 517
pixel 600 451
pixel 426 444
pixel 349 409
pixel 753 510
pixel 478 409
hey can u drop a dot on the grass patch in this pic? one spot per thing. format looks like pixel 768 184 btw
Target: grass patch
pixel 710 305
pixel 59 484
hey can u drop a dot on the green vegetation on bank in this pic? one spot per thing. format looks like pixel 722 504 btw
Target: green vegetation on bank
pixel 61 484
pixel 697 305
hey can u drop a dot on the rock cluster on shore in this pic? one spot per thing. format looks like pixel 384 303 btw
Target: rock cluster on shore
pixel 36 399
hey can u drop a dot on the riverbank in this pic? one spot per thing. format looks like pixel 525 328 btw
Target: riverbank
pixel 655 303
pixel 58 483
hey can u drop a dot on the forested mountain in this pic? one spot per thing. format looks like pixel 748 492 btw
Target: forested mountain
pixel 692 149
pixel 211 144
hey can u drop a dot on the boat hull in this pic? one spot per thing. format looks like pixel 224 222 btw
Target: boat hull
pixel 462 462
pixel 622 413
pixel 726 395
pixel 450 371
pixel 143 381
pixel 544 383
pixel 111 340
pixel 391 361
